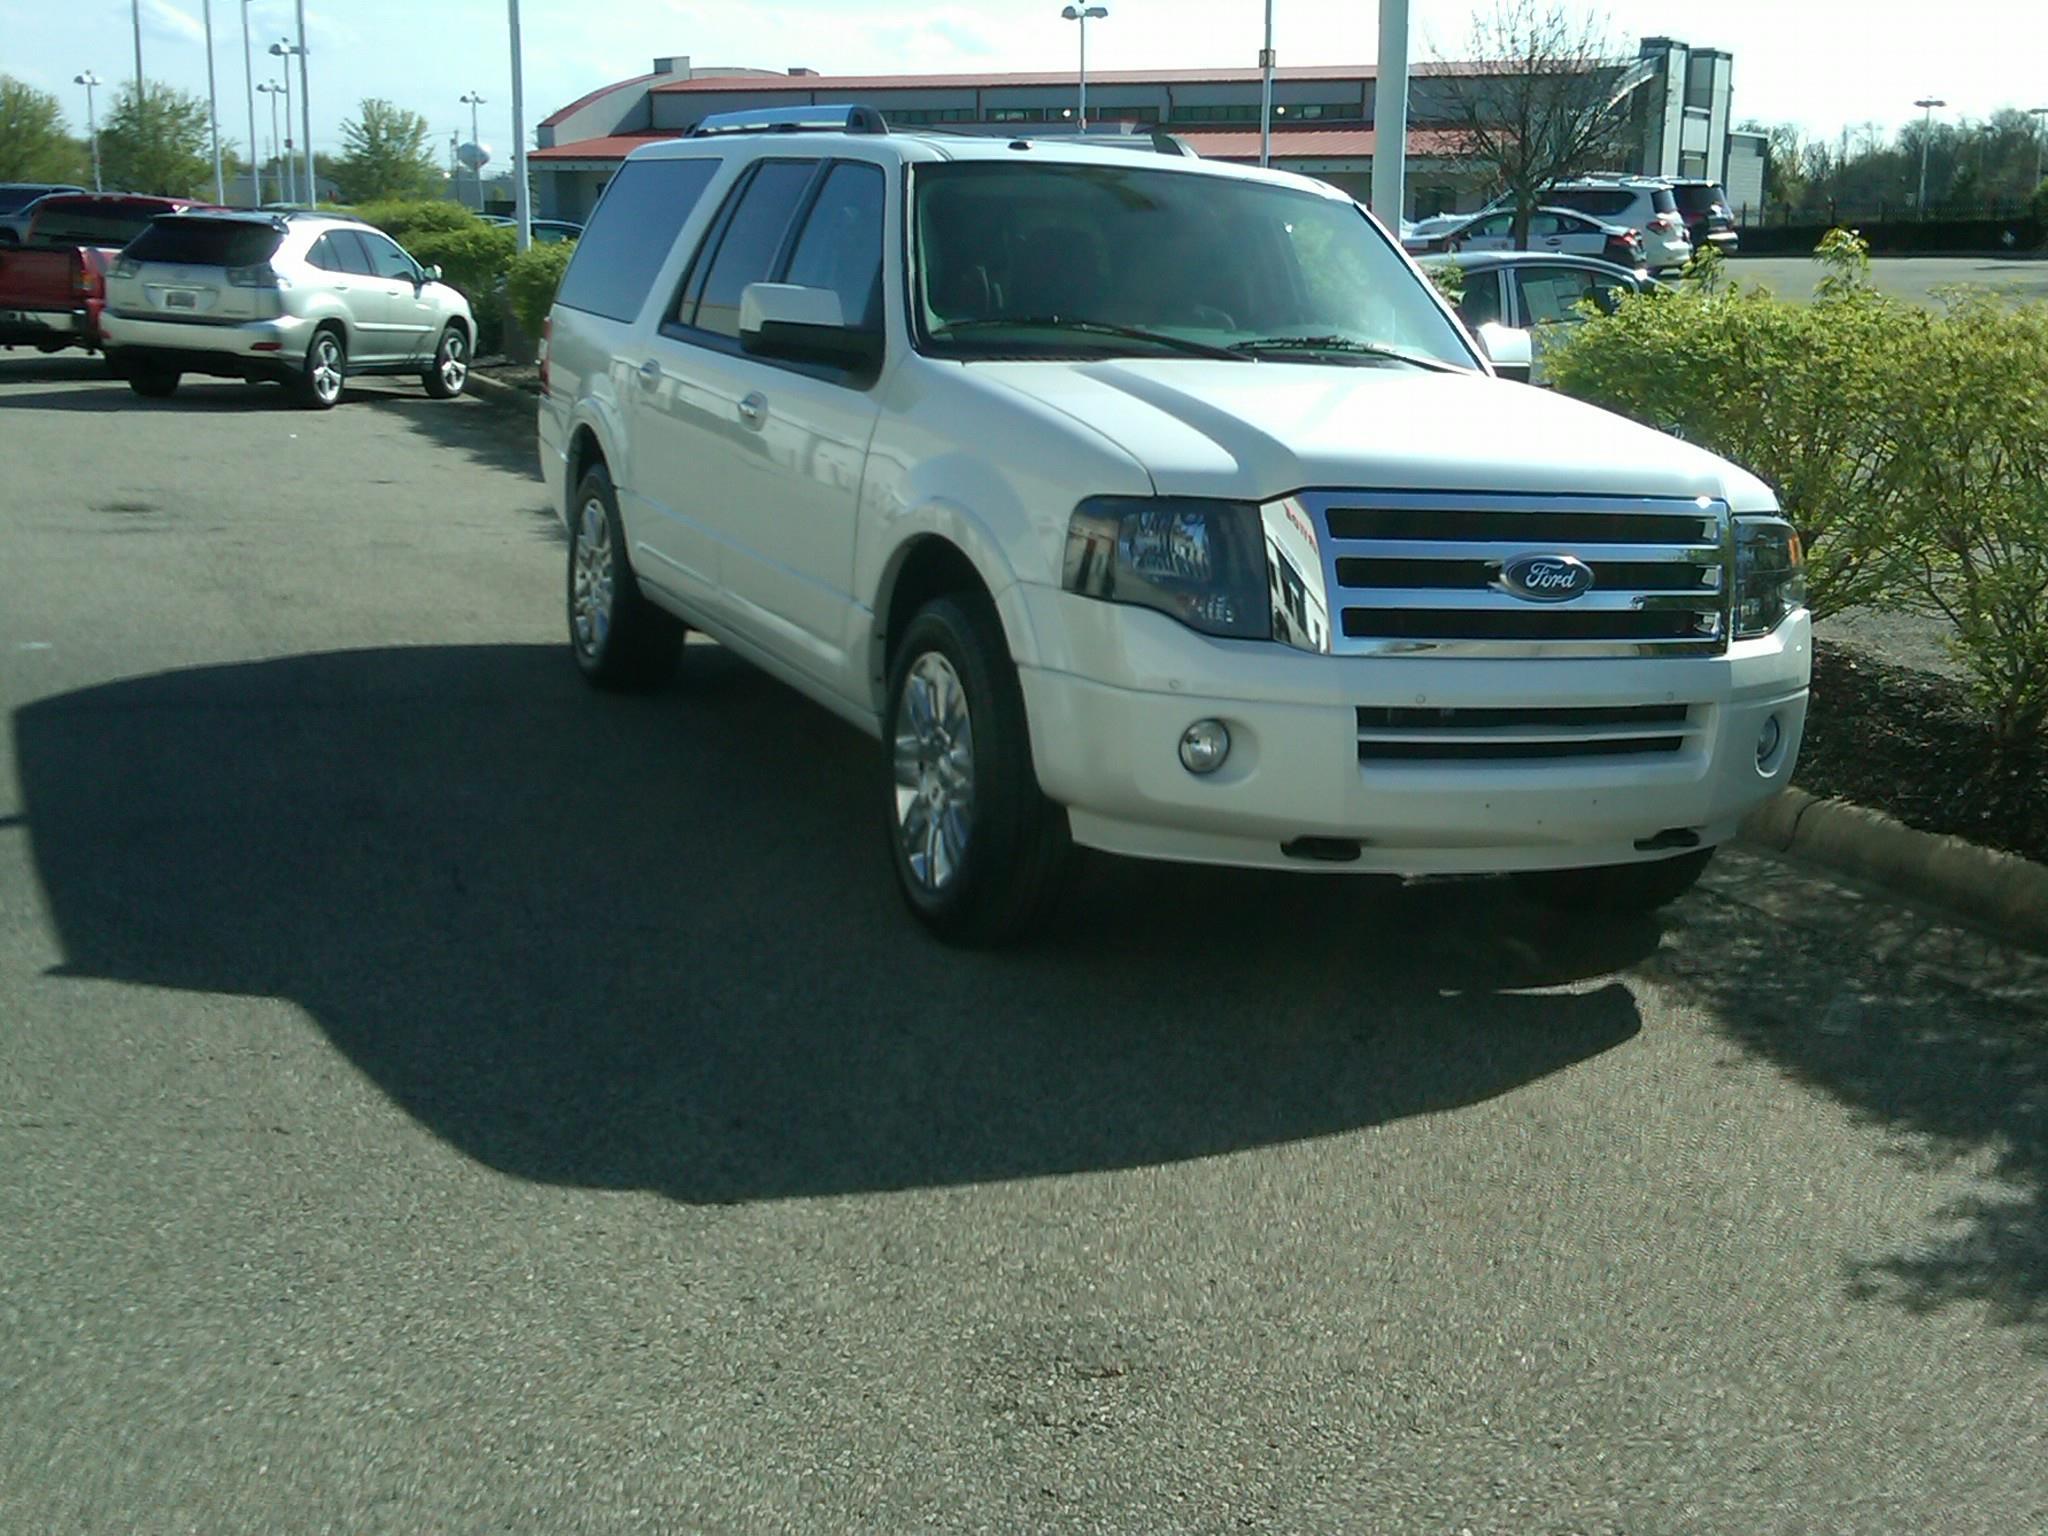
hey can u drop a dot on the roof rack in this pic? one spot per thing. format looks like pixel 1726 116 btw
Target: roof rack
pixel 1105 136
pixel 818 119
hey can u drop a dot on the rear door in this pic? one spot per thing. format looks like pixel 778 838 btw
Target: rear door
pixel 355 283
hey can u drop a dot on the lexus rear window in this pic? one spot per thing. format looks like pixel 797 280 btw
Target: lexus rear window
pixel 1698 199
pixel 630 235
pixel 206 243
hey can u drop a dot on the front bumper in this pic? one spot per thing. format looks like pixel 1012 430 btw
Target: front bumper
pixel 1105 745
pixel 49 330
pixel 248 349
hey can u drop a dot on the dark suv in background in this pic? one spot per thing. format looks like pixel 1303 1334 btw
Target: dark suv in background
pixel 1708 218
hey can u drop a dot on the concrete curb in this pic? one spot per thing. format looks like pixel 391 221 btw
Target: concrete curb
pixel 497 392
pixel 2001 889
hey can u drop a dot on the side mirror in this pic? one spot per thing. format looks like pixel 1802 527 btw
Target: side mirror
pixel 1507 349
pixel 430 274
pixel 802 324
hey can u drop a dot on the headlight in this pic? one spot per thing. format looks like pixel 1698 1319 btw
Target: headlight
pixel 1202 562
pixel 1770 575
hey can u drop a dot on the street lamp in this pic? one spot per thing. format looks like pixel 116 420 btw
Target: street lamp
pixel 283 52
pixel 273 90
pixel 1390 117
pixel 220 186
pixel 1266 92
pixel 136 10
pixel 473 100
pixel 92 123
pixel 521 197
pixel 1927 104
pixel 2037 113
pixel 1084 14
pixel 249 88
pixel 306 113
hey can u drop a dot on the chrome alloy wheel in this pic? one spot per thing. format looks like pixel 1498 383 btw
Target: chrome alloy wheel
pixel 934 771
pixel 590 598
pixel 326 366
pixel 453 363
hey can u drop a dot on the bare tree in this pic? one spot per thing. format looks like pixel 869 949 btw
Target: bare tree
pixel 1541 96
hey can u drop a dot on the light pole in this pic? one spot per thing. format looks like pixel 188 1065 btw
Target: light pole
pixel 1927 104
pixel 92 122
pixel 249 86
pixel 306 113
pixel 1266 92
pixel 520 197
pixel 273 90
pixel 291 169
pixel 136 11
pixel 220 186
pixel 1390 118
pixel 473 100
pixel 1084 14
pixel 2037 113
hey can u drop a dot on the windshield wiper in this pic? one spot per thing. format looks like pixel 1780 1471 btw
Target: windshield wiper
pixel 1092 328
pixel 1347 345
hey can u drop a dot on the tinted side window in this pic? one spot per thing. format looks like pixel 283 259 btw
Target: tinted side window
pixel 631 234
pixel 386 258
pixel 752 241
pixel 841 244
pixel 348 253
pixel 1480 303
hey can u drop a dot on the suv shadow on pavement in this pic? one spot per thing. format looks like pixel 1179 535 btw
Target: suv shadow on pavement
pixel 653 943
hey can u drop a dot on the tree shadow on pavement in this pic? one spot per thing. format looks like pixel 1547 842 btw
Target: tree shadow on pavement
pixel 653 943
pixel 1960 1070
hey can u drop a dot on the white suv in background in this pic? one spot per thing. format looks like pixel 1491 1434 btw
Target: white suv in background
pixel 1156 505
pixel 304 300
pixel 1642 203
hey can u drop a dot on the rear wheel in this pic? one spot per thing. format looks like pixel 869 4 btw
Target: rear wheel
pixel 979 850
pixel 1617 887
pixel 154 382
pixel 448 375
pixel 621 640
pixel 319 386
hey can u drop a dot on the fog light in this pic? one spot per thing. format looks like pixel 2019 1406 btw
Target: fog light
pixel 1768 741
pixel 1204 745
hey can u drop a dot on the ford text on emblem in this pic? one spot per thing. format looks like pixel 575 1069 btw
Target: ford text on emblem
pixel 1547 578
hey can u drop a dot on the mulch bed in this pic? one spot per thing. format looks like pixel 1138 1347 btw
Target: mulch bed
pixel 1914 745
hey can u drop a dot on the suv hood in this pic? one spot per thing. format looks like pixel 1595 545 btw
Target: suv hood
pixel 1253 431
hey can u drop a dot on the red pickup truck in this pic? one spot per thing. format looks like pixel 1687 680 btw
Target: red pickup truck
pixel 53 285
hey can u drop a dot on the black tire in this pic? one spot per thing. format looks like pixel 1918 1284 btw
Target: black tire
pixel 153 383
pixel 1011 863
pixel 320 383
pixel 451 360
pixel 1617 888
pixel 623 643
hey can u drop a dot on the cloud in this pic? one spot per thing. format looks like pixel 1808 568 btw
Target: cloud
pixel 165 20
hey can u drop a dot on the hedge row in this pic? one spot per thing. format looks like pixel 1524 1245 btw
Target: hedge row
pixel 1909 446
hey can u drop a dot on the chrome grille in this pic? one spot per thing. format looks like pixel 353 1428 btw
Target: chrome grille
pixel 1420 573
pixel 1421 734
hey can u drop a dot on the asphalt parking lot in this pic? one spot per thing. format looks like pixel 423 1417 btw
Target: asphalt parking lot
pixel 434 1097
pixel 1919 279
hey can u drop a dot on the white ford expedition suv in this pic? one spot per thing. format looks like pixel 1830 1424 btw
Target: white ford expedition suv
pixel 1154 505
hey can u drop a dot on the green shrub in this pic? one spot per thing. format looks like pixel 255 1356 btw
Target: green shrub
pixel 1798 394
pixel 472 259
pixel 531 281
pixel 402 218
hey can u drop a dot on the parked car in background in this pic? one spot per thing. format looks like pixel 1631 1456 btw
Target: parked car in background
pixel 1708 218
pixel 1154 504
pixel 1420 235
pixel 1644 203
pixel 1555 230
pixel 17 199
pixel 1530 294
pixel 300 299
pixel 53 284
pixel 544 231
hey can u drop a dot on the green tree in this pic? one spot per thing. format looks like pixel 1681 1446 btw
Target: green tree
pixel 157 143
pixel 385 155
pixel 33 143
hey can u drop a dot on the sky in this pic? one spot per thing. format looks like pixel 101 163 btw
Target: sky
pixel 1823 64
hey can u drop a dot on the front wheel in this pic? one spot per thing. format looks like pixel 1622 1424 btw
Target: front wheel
pixel 448 375
pixel 979 851
pixel 1617 887
pixel 319 386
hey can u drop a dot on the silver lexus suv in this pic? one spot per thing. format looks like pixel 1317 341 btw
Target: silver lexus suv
pixel 304 300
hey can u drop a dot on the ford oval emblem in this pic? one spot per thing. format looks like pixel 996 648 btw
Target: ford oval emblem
pixel 1547 578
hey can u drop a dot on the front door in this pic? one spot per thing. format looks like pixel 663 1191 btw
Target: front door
pixel 408 311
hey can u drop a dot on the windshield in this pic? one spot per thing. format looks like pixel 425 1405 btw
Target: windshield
pixel 1049 259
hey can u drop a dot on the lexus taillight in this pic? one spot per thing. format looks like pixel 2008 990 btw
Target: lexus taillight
pixel 547 330
pixel 126 266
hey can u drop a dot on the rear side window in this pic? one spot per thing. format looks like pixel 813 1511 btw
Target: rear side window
pixel 841 244
pixel 193 242
pixel 1662 200
pixel 340 251
pixel 1601 202
pixel 752 240
pixel 93 223
pixel 631 234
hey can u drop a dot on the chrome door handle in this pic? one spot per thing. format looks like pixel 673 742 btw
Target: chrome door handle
pixel 650 373
pixel 754 409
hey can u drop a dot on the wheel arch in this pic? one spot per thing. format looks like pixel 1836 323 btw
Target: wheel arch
pixel 941 556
